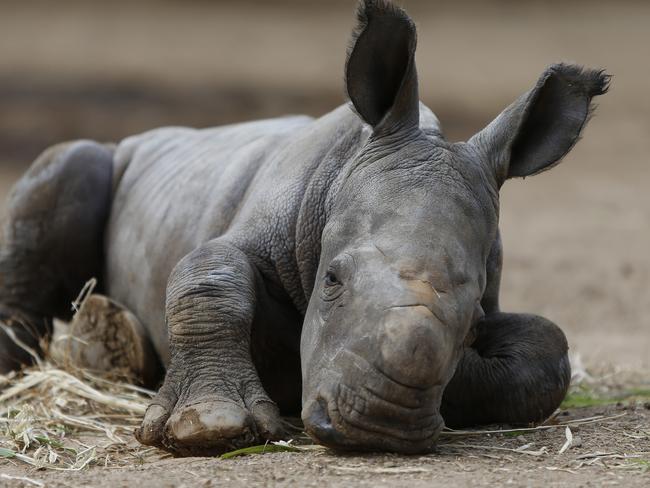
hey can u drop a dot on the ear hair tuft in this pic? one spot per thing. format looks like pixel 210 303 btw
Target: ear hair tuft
pixel 592 82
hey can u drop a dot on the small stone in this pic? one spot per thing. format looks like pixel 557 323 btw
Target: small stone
pixel 577 441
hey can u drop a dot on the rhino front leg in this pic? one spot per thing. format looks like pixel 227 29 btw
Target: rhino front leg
pixel 516 372
pixel 212 399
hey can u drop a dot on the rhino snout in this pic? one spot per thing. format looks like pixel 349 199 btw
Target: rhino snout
pixel 361 408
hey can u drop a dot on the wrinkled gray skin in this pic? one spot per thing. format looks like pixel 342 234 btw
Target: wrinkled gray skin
pixel 360 249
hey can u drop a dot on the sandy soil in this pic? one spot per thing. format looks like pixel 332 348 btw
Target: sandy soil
pixel 575 238
pixel 612 452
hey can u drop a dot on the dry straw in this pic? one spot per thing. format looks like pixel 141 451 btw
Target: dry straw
pixel 64 420
pixel 57 416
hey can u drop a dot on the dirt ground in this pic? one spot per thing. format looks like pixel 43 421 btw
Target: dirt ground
pixel 612 452
pixel 576 238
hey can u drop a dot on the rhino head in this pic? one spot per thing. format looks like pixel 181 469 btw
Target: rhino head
pixel 412 220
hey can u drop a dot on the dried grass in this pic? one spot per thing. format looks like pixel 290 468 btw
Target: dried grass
pixel 57 416
pixel 51 418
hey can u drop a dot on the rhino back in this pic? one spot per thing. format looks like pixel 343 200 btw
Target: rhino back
pixel 176 188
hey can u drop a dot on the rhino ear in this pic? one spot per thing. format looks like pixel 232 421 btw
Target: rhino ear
pixel 540 128
pixel 380 70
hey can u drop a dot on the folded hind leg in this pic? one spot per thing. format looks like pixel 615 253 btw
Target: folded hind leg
pixel 51 241
pixel 517 372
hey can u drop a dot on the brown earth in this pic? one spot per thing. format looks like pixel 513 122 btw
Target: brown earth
pixel 576 238
pixel 614 452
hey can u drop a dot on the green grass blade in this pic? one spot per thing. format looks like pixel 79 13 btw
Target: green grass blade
pixel 263 449
pixel 7 453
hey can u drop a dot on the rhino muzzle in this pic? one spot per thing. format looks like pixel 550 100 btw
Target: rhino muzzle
pixel 359 407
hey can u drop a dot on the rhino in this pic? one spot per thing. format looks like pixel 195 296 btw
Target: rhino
pixel 346 267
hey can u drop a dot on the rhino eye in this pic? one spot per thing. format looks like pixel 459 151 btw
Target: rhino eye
pixel 332 287
pixel 331 279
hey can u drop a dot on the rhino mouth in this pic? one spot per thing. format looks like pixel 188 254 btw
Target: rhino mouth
pixel 367 417
pixel 406 423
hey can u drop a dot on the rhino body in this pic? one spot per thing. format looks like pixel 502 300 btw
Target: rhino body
pixel 345 267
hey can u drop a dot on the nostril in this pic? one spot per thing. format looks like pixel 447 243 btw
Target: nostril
pixel 318 424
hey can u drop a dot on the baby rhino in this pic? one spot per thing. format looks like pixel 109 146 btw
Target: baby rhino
pixel 345 267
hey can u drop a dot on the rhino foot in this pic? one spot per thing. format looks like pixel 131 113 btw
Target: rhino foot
pixel 104 336
pixel 209 424
pixel 212 400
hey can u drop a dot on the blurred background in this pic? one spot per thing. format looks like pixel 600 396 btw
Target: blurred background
pixel 576 238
